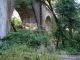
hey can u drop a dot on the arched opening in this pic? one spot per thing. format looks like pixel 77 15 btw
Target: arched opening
pixel 27 17
pixel 16 21
pixel 48 24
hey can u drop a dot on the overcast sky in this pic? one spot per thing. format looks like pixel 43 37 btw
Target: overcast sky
pixel 78 1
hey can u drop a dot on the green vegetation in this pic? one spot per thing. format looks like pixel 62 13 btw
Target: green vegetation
pixel 66 16
pixel 21 3
pixel 23 52
pixel 30 45
pixel 30 38
pixel 27 45
pixel 16 23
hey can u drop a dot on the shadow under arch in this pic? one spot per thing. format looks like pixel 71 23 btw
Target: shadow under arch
pixel 48 24
pixel 27 17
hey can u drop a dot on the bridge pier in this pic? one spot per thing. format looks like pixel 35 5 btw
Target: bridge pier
pixel 5 16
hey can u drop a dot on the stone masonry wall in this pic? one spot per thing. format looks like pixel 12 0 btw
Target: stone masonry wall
pixel 3 18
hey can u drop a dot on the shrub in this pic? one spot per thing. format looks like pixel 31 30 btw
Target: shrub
pixel 28 37
pixel 22 52
pixel 72 51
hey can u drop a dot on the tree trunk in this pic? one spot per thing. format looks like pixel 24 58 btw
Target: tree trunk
pixel 12 24
pixel 70 28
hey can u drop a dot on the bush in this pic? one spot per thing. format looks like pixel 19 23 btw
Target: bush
pixel 71 45
pixel 30 38
pixel 72 51
pixel 22 52
pixel 16 20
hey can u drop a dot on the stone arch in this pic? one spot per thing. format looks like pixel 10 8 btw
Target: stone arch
pixel 27 17
pixel 48 24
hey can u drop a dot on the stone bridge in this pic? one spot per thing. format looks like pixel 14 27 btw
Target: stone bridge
pixel 6 10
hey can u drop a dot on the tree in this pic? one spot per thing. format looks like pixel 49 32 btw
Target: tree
pixel 64 15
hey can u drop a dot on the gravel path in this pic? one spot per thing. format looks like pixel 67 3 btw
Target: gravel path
pixel 70 57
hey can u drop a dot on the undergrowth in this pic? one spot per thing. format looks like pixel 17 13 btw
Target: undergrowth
pixel 28 37
pixel 23 52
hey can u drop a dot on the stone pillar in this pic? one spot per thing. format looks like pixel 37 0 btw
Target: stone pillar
pixel 5 16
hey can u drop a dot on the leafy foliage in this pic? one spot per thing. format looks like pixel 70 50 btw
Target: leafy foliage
pixel 67 38
pixel 22 52
pixel 20 3
pixel 65 13
pixel 31 38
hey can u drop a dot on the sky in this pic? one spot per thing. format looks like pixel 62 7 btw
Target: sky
pixel 15 14
pixel 78 1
